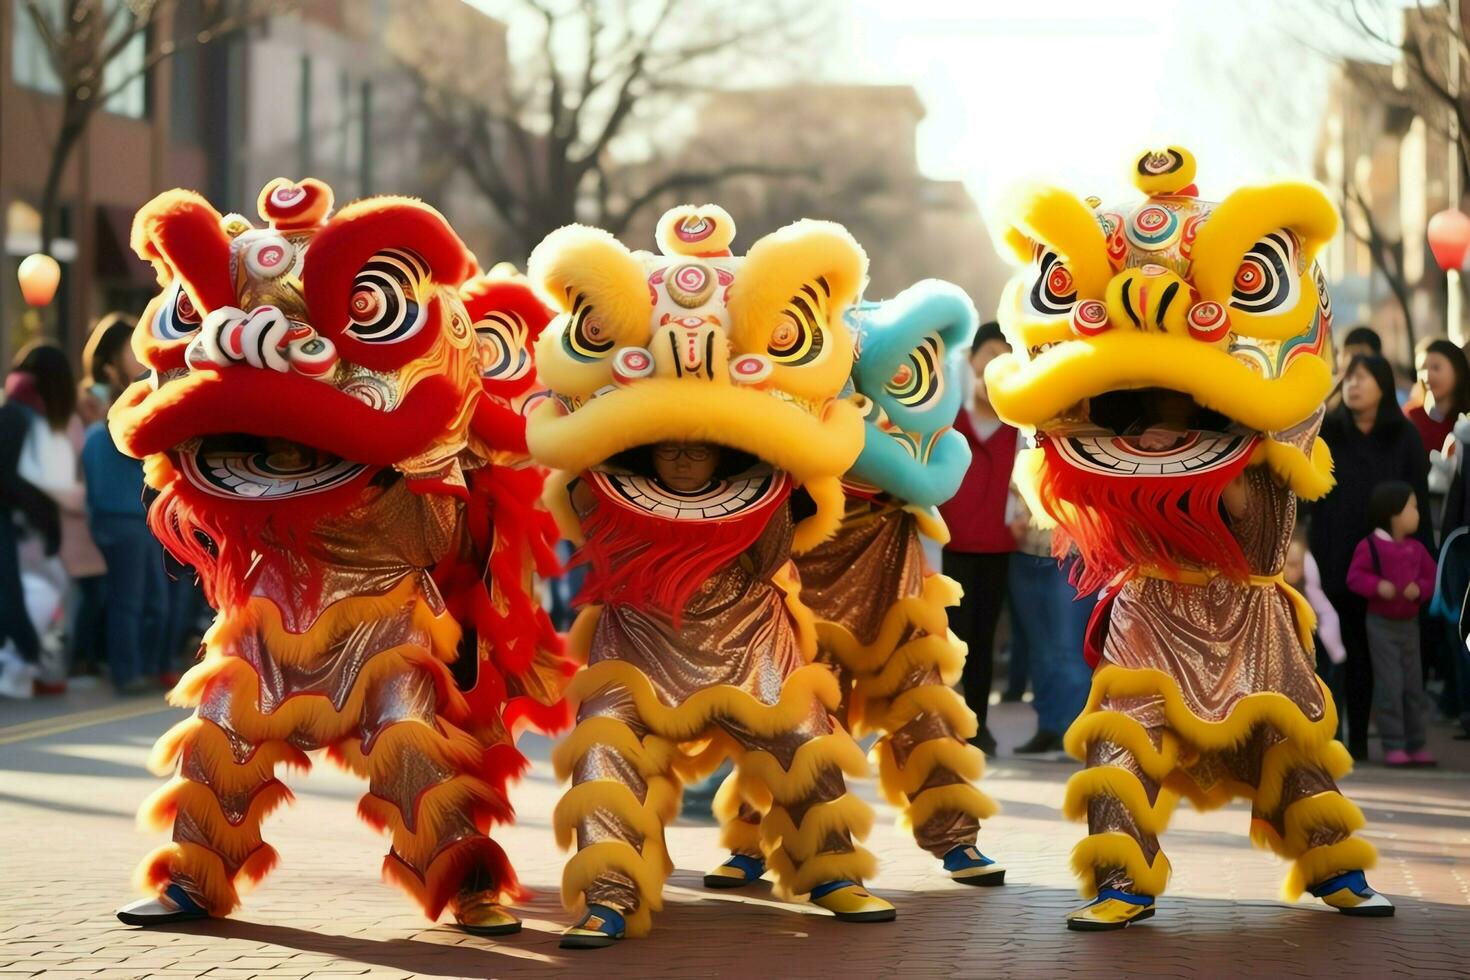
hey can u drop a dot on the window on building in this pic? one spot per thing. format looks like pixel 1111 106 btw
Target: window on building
pixel 123 76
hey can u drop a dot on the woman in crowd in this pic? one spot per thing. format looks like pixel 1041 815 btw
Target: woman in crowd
pixel 1444 383
pixel 980 540
pixel 137 596
pixel 42 380
pixel 1371 442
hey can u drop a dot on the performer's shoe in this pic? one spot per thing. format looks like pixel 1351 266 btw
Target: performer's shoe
pixel 173 904
pixel 481 915
pixel 1112 909
pixel 602 926
pixel 740 870
pixel 968 866
pixel 851 902
pixel 1351 894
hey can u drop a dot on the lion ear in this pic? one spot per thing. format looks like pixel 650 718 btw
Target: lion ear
pixel 804 254
pixel 578 261
pixel 181 234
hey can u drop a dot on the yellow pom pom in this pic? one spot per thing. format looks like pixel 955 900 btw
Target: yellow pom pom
pixel 705 229
pixel 1166 171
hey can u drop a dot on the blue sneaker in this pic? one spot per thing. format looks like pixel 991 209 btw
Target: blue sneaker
pixel 173 904
pixel 1351 894
pixel 737 872
pixel 1112 909
pixel 602 926
pixel 968 866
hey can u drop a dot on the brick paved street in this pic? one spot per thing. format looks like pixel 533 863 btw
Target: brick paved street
pixel 68 846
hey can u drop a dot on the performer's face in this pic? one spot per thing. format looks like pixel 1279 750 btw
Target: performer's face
pixel 685 466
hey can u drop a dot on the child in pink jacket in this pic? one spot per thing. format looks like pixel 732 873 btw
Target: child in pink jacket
pixel 1394 572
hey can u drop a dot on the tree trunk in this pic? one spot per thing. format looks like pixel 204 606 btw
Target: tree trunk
pixel 72 126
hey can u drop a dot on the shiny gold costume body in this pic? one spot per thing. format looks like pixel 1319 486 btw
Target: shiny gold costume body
pixel 1206 690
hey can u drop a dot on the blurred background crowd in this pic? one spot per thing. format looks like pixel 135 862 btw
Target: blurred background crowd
pixel 902 122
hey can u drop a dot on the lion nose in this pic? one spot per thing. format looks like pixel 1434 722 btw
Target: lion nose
pixel 1150 297
pixel 263 337
pixel 690 347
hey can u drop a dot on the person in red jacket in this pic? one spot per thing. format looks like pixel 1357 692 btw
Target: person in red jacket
pixel 980 539
pixel 1392 570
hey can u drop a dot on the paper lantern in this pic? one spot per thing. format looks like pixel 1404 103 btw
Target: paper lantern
pixel 1449 238
pixel 39 275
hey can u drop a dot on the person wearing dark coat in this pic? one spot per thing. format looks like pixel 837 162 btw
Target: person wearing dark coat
pixel 1371 442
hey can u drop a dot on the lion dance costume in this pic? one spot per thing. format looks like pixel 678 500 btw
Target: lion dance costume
pixel 336 452
pixel 693 630
pixel 880 611
pixel 1172 356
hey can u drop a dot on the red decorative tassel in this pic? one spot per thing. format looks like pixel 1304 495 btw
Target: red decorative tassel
pixel 644 561
pixel 1119 523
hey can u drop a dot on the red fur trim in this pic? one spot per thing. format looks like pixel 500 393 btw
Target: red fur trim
pixel 643 560
pixel 548 719
pixel 450 869
pixel 345 244
pixel 1119 523
pixel 486 294
pixel 287 406
pixel 179 233
pixel 497 423
pixel 237 532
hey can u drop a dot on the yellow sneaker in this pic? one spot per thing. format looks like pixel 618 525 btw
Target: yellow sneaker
pixel 602 926
pixel 851 902
pixel 740 870
pixel 481 915
pixel 1351 894
pixel 1112 909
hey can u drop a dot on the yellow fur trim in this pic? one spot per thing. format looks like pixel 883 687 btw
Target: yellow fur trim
pixel 1124 787
pixel 930 523
pixel 596 860
pixel 311 715
pixel 452 748
pixel 813 759
pixel 1037 213
pixel 1261 708
pixel 661 409
pixel 579 637
pixel 218 889
pixel 696 760
pixel 792 881
pixel 775 269
pixel 1283 757
pixel 923 613
pixel 234 841
pixel 578 260
pixel 954 797
pixel 437 811
pixel 787 581
pixel 1118 728
pixel 261 615
pixel 1118 850
pixel 646 819
pixel 1329 809
pixel 1031 393
pixel 960 758
pixel 211 750
pixel 558 501
pixel 1309 479
pixel 1320 863
pixel 722 701
pixel 1026 477
pixel 651 755
pixel 739 837
pixel 845 815
pixel 942 702
pixel 1239 222
pixel 827 494
pixel 940 653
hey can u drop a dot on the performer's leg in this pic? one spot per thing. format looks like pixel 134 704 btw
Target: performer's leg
pixel 224 760
pixel 974 620
pixel 624 791
pixel 926 766
pixel 740 821
pixel 808 832
pixel 1300 814
pixel 425 787
pixel 1120 862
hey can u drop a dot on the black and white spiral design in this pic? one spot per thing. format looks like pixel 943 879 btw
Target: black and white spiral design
pixel 177 317
pixel 1266 281
pixel 1053 293
pixel 503 354
pixel 387 303
pixel 919 380
pixel 798 336
pixel 586 338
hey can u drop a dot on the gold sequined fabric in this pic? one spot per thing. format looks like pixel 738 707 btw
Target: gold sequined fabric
pixel 874 560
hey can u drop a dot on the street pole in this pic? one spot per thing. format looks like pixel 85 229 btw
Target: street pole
pixel 1453 292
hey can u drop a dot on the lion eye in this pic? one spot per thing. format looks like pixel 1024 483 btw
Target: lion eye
pixel 1267 279
pixel 177 315
pixel 387 301
pixel 919 381
pixel 502 338
pixel 1055 292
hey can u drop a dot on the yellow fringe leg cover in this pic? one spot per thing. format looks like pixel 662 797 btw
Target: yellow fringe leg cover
pixel 1118 850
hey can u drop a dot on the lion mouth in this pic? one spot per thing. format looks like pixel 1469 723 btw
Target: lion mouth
pixel 1130 413
pixel 238 466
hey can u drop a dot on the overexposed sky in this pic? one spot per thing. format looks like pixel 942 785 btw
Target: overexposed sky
pixel 1069 90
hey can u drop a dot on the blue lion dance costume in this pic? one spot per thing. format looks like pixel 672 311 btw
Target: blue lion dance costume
pixel 881 612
